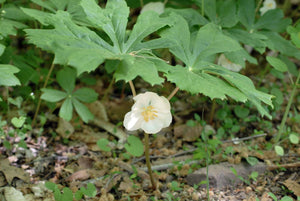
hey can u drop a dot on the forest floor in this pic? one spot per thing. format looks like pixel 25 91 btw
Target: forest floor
pixel 66 153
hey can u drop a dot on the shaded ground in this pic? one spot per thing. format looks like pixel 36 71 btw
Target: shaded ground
pixel 72 159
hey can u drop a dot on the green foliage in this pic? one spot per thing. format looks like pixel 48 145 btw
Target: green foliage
pixel 252 160
pixel 18 122
pixel 279 150
pixel 195 50
pixel 7 77
pixel 71 99
pixel 103 144
pixel 134 146
pixel 241 112
pixel 233 170
pixel 175 186
pixel 67 194
pixel 71 42
pixel 277 64
pixel 89 191
pixel 294 138
pixel 285 198
pixel 295 34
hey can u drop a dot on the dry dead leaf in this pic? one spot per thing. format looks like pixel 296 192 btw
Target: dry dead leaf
pixel 293 186
pixel 79 175
pixel 11 172
pixel 64 128
pixel 12 194
pixel 98 110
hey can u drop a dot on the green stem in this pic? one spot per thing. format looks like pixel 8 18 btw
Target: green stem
pixel 40 100
pixel 287 109
pixel 258 6
pixel 286 6
pixel 107 90
pixel 7 101
pixel 202 9
pixel 207 165
pixel 148 160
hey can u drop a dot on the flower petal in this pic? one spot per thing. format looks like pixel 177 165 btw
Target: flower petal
pixel 132 121
pixel 153 126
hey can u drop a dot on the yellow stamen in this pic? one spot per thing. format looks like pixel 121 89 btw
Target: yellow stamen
pixel 149 113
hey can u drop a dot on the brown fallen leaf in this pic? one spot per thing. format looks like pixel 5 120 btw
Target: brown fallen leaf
pixel 12 172
pixel 79 175
pixel 293 186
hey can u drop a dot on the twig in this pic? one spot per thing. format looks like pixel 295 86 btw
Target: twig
pixel 244 138
pixel 194 149
pixel 168 165
pixel 289 165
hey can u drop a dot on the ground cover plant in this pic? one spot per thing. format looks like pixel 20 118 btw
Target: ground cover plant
pixel 149 100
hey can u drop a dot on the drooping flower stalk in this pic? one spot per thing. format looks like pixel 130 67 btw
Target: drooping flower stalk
pixel 147 157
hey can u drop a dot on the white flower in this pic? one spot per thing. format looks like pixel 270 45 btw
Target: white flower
pixel 226 63
pixel 150 113
pixel 268 5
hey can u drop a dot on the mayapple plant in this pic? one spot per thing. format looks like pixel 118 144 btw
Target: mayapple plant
pixel 84 35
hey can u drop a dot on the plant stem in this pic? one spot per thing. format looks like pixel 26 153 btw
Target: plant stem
pixel 173 93
pixel 207 165
pixel 148 160
pixel 287 109
pixel 7 101
pixel 132 88
pixel 40 100
pixel 107 90
pixel 202 9
pixel 286 6
pixel 258 5
pixel 212 111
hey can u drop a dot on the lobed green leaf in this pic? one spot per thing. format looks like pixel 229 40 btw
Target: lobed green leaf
pixel 7 77
pixel 53 95
pixel 86 95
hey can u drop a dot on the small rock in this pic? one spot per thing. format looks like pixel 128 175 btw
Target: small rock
pixel 220 175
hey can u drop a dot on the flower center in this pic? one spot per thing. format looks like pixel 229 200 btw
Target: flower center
pixel 149 113
pixel 270 5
